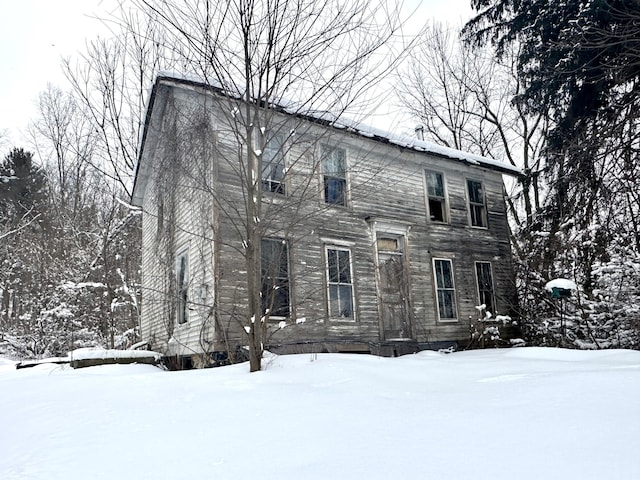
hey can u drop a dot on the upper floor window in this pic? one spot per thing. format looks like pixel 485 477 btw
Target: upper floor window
pixel 274 265
pixel 340 283
pixel 436 198
pixel 477 208
pixel 334 173
pixel 485 286
pixel 273 165
pixel 445 289
pixel 182 286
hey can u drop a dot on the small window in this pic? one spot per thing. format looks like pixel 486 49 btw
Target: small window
pixel 485 286
pixel 436 198
pixel 334 173
pixel 182 286
pixel 388 244
pixel 340 283
pixel 445 288
pixel 274 262
pixel 273 165
pixel 477 209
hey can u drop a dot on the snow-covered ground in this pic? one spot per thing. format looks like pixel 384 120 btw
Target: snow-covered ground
pixel 526 413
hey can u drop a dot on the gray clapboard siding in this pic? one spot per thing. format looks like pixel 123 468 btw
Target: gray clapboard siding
pixel 193 137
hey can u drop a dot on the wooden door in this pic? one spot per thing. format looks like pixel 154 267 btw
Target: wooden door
pixel 394 299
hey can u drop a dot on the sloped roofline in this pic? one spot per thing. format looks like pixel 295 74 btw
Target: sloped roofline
pixel 323 118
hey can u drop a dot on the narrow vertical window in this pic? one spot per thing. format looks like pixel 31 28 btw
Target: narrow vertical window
pixel 436 199
pixel 340 283
pixel 273 165
pixel 485 286
pixel 445 288
pixel 182 286
pixel 477 209
pixel 334 173
pixel 274 263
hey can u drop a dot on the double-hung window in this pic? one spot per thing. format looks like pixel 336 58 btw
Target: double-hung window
pixel 485 286
pixel 182 286
pixel 274 264
pixel 334 174
pixel 273 170
pixel 477 208
pixel 339 283
pixel 436 197
pixel 445 289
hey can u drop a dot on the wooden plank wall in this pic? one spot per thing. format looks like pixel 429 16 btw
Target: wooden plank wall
pixel 386 185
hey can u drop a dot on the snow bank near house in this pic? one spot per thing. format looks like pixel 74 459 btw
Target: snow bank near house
pixel 526 413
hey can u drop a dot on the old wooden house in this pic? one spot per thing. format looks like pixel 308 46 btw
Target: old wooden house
pixel 370 242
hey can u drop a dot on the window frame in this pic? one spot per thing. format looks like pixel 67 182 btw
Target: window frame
pixel 451 289
pixel 473 204
pixel 286 280
pixel 443 199
pixel 182 286
pixel 269 184
pixel 339 283
pixel 481 290
pixel 343 179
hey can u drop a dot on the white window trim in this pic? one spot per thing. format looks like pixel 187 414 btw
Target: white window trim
pixel 446 213
pixel 435 286
pixel 336 246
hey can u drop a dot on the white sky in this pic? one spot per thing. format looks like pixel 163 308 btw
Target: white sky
pixel 36 34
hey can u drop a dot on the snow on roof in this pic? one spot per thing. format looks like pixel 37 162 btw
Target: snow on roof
pixel 359 128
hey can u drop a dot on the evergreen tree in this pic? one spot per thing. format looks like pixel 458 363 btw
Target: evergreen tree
pixel 23 187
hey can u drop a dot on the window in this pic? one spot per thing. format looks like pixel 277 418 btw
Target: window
pixel 182 286
pixel 445 288
pixel 273 165
pixel 340 283
pixel 334 174
pixel 274 263
pixel 485 286
pixel 477 209
pixel 436 198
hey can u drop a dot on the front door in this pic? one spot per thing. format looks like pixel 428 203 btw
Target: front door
pixel 393 290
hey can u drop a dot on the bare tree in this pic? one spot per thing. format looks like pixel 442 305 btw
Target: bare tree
pixel 307 57
pixel 463 96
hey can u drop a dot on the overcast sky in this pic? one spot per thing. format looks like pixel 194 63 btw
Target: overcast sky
pixel 36 34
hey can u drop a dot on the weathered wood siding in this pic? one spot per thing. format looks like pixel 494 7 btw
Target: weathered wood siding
pixel 386 193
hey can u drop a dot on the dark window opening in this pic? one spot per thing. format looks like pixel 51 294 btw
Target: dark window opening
pixel 477 209
pixel 485 286
pixel 275 278
pixel 334 175
pixel 182 287
pixel 435 192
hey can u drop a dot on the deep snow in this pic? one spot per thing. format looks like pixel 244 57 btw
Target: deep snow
pixel 527 413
